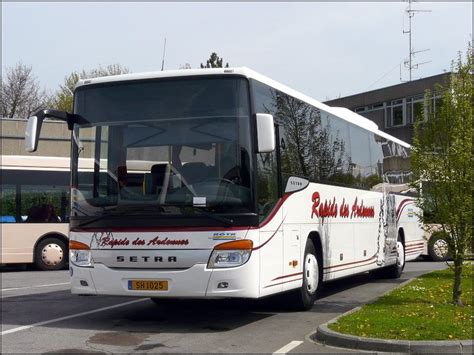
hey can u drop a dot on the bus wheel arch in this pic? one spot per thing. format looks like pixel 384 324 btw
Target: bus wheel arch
pixel 304 297
pixel 401 235
pixel 51 252
pixel 394 271
pixel 316 240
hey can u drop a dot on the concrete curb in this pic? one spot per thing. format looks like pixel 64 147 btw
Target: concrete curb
pixel 330 337
pixel 327 336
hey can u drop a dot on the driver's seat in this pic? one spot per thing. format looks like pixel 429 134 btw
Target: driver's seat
pixel 154 181
pixel 195 172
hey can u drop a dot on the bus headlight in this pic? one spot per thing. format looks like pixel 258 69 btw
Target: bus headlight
pixel 230 254
pixel 80 254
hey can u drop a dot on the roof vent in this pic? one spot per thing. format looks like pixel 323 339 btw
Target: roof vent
pixel 228 70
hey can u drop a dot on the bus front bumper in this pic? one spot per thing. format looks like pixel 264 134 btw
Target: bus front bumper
pixel 195 282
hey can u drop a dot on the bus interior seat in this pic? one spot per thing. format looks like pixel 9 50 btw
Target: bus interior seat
pixel 154 181
pixel 195 172
pixel 122 175
pixel 126 179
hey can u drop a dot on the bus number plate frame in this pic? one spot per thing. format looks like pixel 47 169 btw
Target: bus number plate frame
pixel 148 285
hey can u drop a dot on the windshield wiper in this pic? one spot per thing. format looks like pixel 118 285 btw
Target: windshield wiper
pixel 104 213
pixel 145 211
pixel 228 222
pixel 117 212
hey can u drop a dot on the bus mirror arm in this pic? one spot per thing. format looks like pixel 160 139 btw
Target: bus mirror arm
pixel 70 118
pixel 33 127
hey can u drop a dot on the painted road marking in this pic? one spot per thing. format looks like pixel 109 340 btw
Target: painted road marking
pixel 38 286
pixel 288 347
pixel 25 327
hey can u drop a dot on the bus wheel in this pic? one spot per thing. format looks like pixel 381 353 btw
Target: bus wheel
pixel 395 271
pixel 50 254
pixel 303 298
pixel 438 248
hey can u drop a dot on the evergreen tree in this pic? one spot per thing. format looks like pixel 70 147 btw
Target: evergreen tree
pixel 214 62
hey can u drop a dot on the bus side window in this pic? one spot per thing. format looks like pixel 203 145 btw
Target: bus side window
pixel 43 203
pixel 8 204
pixel 44 213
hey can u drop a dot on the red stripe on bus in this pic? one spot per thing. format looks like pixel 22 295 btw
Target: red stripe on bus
pixel 351 263
pixel 285 276
pixel 414 251
pixel 414 244
pixel 271 237
pixel 274 211
pixel 284 282
pixel 415 247
pixel 402 205
pixel 369 262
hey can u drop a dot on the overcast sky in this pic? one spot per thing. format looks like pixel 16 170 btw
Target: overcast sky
pixel 325 50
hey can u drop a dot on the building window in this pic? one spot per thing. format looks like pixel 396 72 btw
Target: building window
pixel 395 113
pixel 414 108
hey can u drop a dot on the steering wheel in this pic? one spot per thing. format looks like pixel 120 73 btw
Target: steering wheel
pixel 219 179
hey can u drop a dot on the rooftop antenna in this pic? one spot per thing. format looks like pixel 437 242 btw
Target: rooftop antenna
pixel 164 52
pixel 411 53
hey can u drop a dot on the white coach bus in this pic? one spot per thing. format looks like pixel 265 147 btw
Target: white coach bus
pixel 34 211
pixel 250 189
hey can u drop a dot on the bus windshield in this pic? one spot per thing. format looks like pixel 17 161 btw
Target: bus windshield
pixel 164 147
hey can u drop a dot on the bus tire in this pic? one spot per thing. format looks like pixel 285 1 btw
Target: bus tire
pixel 395 271
pixel 438 248
pixel 50 254
pixel 303 298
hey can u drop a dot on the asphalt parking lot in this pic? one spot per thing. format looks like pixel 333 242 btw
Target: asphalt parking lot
pixel 40 315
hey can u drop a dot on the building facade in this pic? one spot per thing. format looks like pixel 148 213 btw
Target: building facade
pixel 395 108
pixel 55 138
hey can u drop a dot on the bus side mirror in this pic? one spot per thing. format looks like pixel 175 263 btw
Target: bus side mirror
pixel 265 133
pixel 33 126
pixel 33 129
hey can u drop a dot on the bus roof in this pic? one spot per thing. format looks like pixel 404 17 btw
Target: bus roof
pixel 341 112
pixel 34 162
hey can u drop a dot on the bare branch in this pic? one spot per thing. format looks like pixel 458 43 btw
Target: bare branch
pixel 21 93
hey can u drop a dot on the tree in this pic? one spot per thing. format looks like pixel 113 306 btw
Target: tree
pixel 185 66
pixel 214 62
pixel 21 93
pixel 63 98
pixel 442 158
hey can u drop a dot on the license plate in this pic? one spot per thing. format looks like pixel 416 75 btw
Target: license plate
pixel 148 285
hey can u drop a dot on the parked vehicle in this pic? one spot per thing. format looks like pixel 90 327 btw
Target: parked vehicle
pixel 34 211
pixel 247 189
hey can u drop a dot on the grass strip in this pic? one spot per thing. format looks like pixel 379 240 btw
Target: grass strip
pixel 421 310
